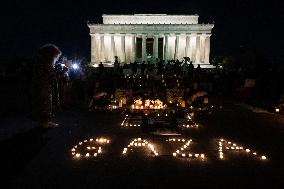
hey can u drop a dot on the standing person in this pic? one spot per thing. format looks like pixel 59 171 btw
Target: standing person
pixel 64 88
pixel 101 68
pixel 143 67
pixel 44 77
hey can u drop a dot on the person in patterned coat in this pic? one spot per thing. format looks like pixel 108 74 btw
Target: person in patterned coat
pixel 44 79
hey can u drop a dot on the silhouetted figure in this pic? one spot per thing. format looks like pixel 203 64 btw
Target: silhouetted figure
pixel 64 88
pixel 143 67
pixel 149 67
pixel 55 89
pixel 177 67
pixel 116 64
pixel 101 68
pixel 44 77
pixel 160 67
pixel 198 69
pixel 190 69
pixel 134 67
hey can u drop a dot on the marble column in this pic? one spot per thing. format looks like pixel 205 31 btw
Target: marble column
pixel 144 53
pixel 202 48
pixel 192 49
pixel 102 48
pixel 113 53
pixel 166 52
pixel 207 49
pixel 197 54
pixel 123 54
pixel 133 48
pixel 156 47
pixel 176 47
pixel 93 48
pixel 187 46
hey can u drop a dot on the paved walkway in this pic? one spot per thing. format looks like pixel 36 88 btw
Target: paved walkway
pixel 37 158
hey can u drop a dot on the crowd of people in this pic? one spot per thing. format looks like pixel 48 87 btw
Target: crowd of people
pixel 52 85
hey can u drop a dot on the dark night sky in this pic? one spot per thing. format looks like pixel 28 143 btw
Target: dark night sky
pixel 26 25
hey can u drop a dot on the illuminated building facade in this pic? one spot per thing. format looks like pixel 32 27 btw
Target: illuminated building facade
pixel 149 37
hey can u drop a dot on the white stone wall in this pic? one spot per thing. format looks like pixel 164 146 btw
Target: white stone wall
pixel 150 19
pixel 151 29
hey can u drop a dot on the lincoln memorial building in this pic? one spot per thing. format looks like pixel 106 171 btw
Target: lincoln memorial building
pixel 150 37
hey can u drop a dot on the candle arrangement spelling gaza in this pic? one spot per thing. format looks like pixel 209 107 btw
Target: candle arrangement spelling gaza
pixel 181 151
pixel 138 142
pixel 190 123
pixel 92 148
pixel 228 145
pixel 89 148
pixel 125 123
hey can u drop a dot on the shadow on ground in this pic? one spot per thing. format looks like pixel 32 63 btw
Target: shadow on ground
pixel 18 151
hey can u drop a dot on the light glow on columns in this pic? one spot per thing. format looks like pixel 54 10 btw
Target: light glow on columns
pixel 192 48
pixel 171 47
pixel 181 47
pixel 128 48
pixel 107 43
